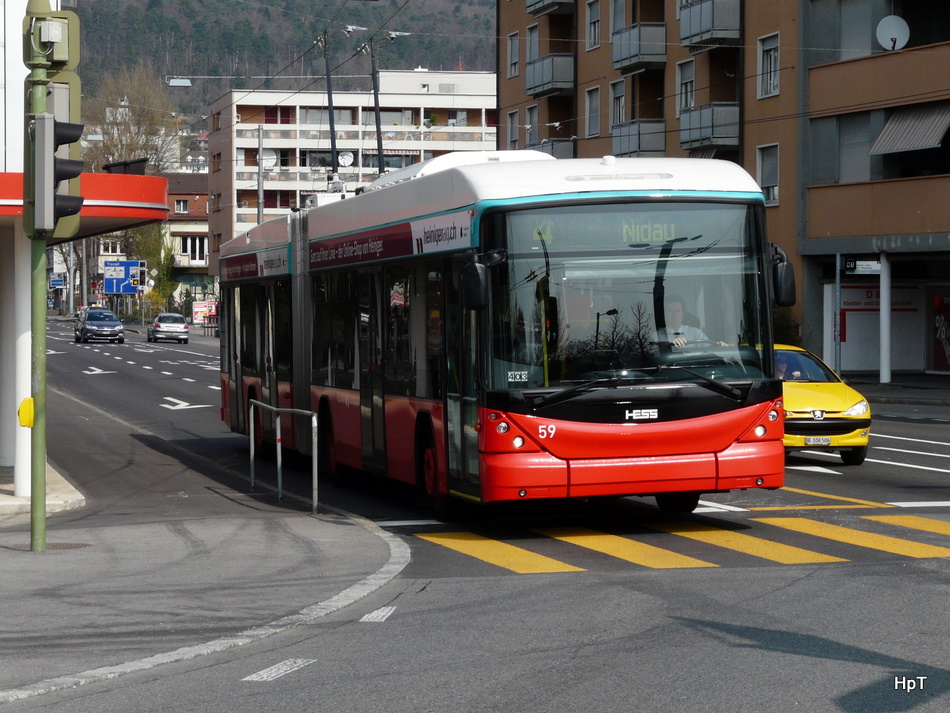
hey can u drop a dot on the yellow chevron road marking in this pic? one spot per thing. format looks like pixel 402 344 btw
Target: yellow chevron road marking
pixel 498 553
pixel 623 548
pixel 747 544
pixel 870 540
pixel 925 524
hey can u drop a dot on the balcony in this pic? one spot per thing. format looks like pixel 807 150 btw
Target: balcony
pixel 641 137
pixel 549 7
pixel 709 125
pixel 186 261
pixel 550 75
pixel 710 22
pixel 902 210
pixel 640 46
pixel 559 148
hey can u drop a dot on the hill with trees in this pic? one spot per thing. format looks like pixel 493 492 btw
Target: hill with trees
pixel 251 44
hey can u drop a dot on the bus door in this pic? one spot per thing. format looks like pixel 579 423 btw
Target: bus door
pixel 268 395
pixel 372 421
pixel 461 414
pixel 231 338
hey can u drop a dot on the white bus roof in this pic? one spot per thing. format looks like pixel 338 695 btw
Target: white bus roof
pixel 462 181
pixel 269 234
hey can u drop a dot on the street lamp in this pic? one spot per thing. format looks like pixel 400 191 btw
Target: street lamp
pixel 608 313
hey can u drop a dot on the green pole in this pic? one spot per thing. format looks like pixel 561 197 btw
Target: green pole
pixel 37 99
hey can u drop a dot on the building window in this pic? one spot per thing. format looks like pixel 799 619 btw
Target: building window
pixel 531 126
pixel 618 99
pixel 768 66
pixel 617 16
pixel 593 24
pixel 767 167
pixel 513 54
pixel 110 247
pixel 181 206
pixel 512 130
pixel 685 81
pixel 532 44
pixel 593 112
pixel 195 247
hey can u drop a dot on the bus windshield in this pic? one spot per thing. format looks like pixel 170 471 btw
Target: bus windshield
pixel 651 291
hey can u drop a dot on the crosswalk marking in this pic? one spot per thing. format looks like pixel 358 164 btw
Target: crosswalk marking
pixel 623 548
pixel 740 542
pixel 870 540
pixel 498 553
pixel 915 522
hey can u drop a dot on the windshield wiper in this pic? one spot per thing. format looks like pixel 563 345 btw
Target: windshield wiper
pixel 571 391
pixel 718 386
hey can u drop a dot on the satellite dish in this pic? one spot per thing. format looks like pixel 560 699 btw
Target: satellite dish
pixel 893 33
pixel 270 158
pixel 345 158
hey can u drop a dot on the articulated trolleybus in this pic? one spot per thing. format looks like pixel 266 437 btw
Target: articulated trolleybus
pixel 507 326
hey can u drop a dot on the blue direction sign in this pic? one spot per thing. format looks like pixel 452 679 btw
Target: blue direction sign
pixel 123 277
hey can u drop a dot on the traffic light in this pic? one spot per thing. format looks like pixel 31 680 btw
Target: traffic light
pixel 51 48
pixel 49 204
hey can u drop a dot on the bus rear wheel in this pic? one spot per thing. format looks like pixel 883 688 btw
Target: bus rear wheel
pixel 677 502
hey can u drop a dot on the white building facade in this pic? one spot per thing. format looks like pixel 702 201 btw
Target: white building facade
pixel 271 151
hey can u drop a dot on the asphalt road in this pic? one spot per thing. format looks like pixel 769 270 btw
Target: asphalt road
pixel 828 595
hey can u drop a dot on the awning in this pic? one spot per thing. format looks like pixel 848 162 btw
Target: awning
pixel 912 128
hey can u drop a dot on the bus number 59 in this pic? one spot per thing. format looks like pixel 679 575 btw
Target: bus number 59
pixel 546 431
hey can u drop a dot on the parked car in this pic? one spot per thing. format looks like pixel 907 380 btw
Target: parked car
pixel 98 323
pixel 821 411
pixel 168 325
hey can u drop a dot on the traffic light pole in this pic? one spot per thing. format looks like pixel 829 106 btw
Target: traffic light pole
pixel 37 98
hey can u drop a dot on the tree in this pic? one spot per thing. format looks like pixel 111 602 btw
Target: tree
pixel 135 119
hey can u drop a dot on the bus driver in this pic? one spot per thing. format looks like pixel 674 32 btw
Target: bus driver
pixel 677 333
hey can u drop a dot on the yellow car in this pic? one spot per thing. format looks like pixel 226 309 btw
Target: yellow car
pixel 821 411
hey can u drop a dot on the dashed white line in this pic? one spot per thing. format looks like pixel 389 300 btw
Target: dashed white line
pixel 281 669
pixel 381 614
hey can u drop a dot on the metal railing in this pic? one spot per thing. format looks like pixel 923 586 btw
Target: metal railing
pixel 280 473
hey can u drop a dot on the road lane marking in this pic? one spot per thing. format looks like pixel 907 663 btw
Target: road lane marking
pixel 498 553
pixel 623 548
pixel 856 503
pixel 380 615
pixel 923 504
pixel 916 453
pixel 914 440
pixel 178 404
pixel 860 538
pixel 914 522
pixel 281 669
pixel 747 544
pixel 94 370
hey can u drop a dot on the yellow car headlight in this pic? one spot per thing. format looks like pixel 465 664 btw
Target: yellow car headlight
pixel 859 409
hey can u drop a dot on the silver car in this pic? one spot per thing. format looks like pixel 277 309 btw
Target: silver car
pixel 168 325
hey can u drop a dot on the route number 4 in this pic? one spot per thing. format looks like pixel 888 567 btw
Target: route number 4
pixel 546 431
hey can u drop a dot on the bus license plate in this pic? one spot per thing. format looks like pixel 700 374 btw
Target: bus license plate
pixel 818 440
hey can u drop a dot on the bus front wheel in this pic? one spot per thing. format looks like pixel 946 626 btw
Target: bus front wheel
pixel 427 468
pixel 677 502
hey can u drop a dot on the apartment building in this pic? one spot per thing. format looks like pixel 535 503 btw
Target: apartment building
pixel 272 151
pixel 839 108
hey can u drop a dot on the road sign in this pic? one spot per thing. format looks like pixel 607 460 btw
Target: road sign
pixel 121 276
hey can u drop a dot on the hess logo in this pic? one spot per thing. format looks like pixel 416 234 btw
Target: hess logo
pixel 641 414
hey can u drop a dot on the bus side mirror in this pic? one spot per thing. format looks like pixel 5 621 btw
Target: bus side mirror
pixel 783 278
pixel 475 285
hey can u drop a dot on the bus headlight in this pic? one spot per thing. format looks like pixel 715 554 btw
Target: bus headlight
pixel 502 427
pixel 760 430
pixel 518 442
